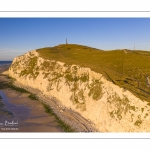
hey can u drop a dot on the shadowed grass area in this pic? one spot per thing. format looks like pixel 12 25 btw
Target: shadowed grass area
pixel 33 97
pixel 4 85
pixel 125 68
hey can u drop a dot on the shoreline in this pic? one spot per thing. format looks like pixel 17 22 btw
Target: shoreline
pixel 29 114
pixel 69 120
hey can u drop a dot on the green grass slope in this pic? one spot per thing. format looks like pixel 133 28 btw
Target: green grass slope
pixel 126 68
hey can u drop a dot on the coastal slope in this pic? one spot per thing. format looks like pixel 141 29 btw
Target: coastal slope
pixel 80 88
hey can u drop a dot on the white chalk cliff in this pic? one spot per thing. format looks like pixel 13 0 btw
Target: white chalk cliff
pixel 109 107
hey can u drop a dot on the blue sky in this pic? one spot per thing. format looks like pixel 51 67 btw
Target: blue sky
pixel 20 35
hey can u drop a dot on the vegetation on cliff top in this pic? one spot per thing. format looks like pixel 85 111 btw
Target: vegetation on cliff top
pixel 126 68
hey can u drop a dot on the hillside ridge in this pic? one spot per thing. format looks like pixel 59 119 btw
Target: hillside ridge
pixel 108 106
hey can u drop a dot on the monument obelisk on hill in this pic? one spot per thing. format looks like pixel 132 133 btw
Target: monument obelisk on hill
pixel 66 41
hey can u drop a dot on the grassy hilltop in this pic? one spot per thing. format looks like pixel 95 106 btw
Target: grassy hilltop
pixel 126 68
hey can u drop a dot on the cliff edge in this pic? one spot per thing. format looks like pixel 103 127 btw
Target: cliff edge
pixel 109 107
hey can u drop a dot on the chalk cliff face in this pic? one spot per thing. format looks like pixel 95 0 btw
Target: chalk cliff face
pixel 109 107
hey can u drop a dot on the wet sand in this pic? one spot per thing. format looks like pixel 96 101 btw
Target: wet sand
pixel 29 115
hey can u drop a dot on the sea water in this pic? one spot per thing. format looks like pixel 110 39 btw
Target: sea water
pixel 5 62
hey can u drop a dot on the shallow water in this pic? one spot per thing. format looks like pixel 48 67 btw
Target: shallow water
pixel 5 62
